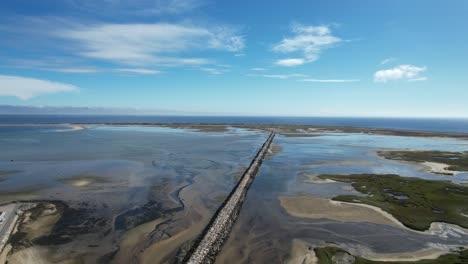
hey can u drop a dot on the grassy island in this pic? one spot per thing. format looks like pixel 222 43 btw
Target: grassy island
pixel 455 161
pixel 413 201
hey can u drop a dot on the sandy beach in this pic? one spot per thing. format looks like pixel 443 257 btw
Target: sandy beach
pixel 439 168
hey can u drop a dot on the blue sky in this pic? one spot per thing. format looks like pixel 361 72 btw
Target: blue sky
pixel 297 58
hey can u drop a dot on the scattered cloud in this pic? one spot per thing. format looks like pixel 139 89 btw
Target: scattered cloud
pixel 290 62
pixel 279 76
pixel 418 79
pixel 138 71
pixel 214 71
pixel 388 60
pixel 258 69
pixel 307 40
pixel 151 44
pixel 73 70
pixel 331 80
pixel 401 72
pixel 26 88
pixel 305 78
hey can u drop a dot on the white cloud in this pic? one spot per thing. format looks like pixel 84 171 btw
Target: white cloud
pixel 387 60
pixel 309 41
pixel 258 69
pixel 418 79
pixel 139 71
pixel 72 70
pixel 331 80
pixel 213 71
pixel 26 88
pixel 305 79
pixel 155 44
pixel 290 62
pixel 407 72
pixel 279 76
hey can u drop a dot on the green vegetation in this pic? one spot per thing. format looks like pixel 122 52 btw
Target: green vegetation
pixel 456 161
pixel 414 202
pixel 331 255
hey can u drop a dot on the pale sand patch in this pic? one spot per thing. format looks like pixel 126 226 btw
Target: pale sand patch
pixel 43 225
pixel 70 128
pixel 301 253
pixel 37 255
pixel 439 168
pixel 81 181
pixel 429 253
pixel 32 255
pixel 313 178
pixel 314 207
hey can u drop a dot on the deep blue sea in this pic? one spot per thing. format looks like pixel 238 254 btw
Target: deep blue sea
pixel 423 124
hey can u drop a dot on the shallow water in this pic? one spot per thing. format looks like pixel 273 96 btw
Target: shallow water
pixel 128 168
pixel 182 176
pixel 264 231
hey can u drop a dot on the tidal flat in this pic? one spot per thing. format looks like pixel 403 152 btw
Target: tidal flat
pixel 116 194
pixel 120 193
pixel 289 209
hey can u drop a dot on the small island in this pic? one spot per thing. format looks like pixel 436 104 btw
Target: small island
pixel 415 202
pixel 440 162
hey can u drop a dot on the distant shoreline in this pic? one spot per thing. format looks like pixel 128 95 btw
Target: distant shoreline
pixel 284 129
pixel 452 125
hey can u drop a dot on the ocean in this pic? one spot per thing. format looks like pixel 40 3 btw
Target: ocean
pixel 421 124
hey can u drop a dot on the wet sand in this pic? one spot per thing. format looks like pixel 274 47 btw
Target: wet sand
pixel 196 219
pixel 133 240
pixel 430 253
pixel 314 207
